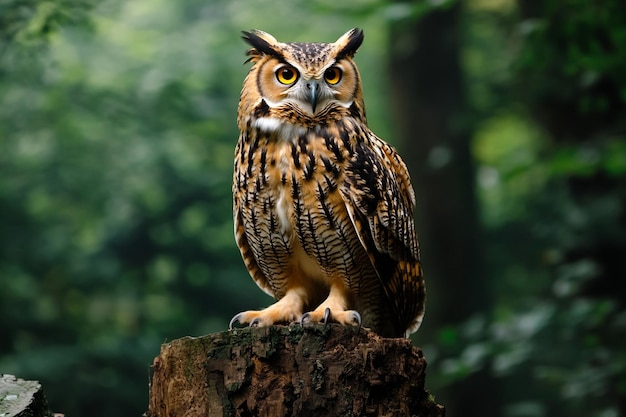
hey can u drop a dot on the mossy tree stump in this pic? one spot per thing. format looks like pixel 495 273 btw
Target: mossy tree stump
pixel 290 371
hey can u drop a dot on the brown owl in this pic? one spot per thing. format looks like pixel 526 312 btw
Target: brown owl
pixel 323 208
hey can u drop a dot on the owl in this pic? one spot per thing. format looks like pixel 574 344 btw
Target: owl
pixel 323 208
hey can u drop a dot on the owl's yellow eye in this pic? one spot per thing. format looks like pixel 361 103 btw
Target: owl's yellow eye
pixel 286 75
pixel 332 75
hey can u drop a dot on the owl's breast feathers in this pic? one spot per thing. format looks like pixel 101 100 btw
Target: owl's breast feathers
pixel 321 198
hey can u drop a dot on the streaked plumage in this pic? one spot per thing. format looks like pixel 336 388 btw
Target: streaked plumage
pixel 322 206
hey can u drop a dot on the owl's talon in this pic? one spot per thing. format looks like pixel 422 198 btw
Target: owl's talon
pixel 255 322
pixel 306 317
pixel 326 316
pixel 234 320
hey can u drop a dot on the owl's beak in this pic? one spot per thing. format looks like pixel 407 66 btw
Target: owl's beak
pixel 314 93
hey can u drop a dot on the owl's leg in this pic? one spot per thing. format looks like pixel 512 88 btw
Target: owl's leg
pixel 334 308
pixel 287 309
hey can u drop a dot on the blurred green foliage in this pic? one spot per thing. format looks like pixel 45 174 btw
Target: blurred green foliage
pixel 117 129
pixel 547 86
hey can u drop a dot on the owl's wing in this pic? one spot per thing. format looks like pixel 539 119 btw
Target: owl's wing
pixel 380 199
pixel 378 189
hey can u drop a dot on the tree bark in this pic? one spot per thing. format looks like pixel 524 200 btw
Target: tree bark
pixel 20 398
pixel 290 371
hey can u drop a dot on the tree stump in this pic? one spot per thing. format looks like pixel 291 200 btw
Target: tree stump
pixel 20 398
pixel 290 371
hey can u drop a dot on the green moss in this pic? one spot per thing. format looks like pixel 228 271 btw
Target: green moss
pixel 318 375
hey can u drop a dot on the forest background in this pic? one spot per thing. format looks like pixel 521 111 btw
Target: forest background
pixel 117 132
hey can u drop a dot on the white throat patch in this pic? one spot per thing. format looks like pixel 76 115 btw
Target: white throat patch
pixel 283 129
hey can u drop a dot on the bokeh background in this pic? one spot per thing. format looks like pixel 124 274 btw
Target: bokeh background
pixel 117 132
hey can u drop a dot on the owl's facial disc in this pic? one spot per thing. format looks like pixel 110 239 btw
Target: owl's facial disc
pixel 311 90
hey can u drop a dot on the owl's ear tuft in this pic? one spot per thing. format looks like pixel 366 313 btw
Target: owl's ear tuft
pixel 262 44
pixel 349 43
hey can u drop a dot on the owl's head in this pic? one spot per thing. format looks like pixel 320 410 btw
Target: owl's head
pixel 311 79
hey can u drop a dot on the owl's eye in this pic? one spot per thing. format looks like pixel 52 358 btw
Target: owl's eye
pixel 286 75
pixel 332 75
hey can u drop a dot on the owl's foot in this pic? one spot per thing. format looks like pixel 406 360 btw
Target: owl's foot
pixel 260 318
pixel 345 317
pixel 334 309
pixel 287 309
pixel 306 317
